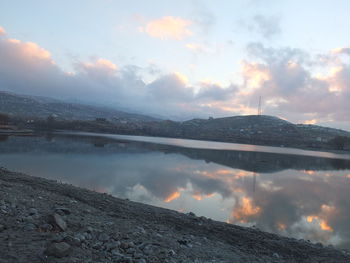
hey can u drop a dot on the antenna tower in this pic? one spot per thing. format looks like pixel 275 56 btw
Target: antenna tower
pixel 259 108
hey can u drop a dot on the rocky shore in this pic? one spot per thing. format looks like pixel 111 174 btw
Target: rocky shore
pixel 47 221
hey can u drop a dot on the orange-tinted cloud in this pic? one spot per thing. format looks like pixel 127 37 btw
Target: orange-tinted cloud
pixel 168 27
pixel 313 121
pixel 342 50
pixel 101 64
pixel 2 31
pixel 172 197
pixel 321 222
pixel 199 196
pixel 254 75
pixel 30 50
pixel 245 210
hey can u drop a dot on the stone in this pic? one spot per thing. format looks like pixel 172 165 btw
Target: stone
pixel 59 221
pixel 115 252
pixel 124 245
pixel 28 219
pixel 141 230
pixel 72 241
pixel 88 236
pixel 97 245
pixel 62 210
pixel 58 250
pixel 33 211
pixel 2 228
pixel 46 227
pixel 320 245
pixel 112 245
pixel 80 237
pixel 103 237
pixel 29 227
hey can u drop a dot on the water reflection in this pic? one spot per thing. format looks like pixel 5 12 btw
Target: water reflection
pixel 3 138
pixel 299 196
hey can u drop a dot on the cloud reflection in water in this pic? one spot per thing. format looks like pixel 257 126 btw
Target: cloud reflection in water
pixel 306 198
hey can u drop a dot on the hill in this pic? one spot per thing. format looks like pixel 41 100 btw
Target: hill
pixel 252 129
pixel 42 107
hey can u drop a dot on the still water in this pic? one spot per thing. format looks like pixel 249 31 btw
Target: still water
pixel 284 191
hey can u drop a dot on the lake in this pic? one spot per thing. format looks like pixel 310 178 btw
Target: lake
pixel 291 192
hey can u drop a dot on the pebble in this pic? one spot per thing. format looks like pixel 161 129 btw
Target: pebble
pixel 80 237
pixel 58 250
pixel 97 245
pixel 46 227
pixel 62 211
pixel 103 237
pixel 59 221
pixel 72 240
pixel 33 211
pixel 29 227
pixel 141 230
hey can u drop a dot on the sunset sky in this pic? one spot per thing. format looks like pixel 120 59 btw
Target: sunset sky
pixel 183 59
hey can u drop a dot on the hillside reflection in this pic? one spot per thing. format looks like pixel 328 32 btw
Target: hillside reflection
pixel 303 197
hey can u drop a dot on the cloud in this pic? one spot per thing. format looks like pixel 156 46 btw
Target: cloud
pixel 293 84
pixel 168 27
pixel 203 16
pixel 265 26
pixel 171 88
pixel 343 50
pixel 214 92
pixel 199 48
pixel 99 68
pixel 289 86
pixel 2 31
pixel 27 68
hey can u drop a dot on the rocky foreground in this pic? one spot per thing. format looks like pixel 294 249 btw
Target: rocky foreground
pixel 46 221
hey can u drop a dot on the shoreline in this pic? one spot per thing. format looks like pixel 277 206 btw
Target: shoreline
pixel 73 132
pixel 103 228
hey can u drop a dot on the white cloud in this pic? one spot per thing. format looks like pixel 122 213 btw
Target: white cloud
pixel 168 27
pixel 284 77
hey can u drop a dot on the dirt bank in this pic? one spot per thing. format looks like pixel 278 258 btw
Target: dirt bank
pixel 46 221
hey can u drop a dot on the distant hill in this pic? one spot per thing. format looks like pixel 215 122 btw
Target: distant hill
pixel 42 107
pixel 252 129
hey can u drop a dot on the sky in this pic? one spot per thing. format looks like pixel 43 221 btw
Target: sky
pixel 183 59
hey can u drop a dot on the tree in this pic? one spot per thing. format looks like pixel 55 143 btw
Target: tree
pixel 340 142
pixel 4 119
